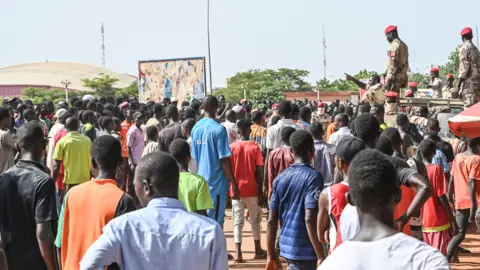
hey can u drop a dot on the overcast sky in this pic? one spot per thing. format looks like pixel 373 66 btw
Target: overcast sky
pixel 244 33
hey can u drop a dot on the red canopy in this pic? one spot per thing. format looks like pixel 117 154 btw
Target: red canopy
pixel 466 123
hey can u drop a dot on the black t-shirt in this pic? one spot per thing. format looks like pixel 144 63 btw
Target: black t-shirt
pixel 168 135
pixel 404 171
pixel 447 150
pixel 27 197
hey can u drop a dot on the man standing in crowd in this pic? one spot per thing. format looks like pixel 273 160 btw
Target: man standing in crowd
pixel 305 117
pixel 88 207
pixel 89 120
pixel 295 203
pixel 449 87
pixel 247 165
pixel 126 125
pixel 172 131
pixel 323 160
pixel 157 116
pixel 28 206
pixel 332 200
pixel 8 143
pixel 73 150
pixel 341 126
pixel 210 150
pixel 135 146
pixel 468 84
pixel 374 190
pixel 230 125
pixel 259 133
pixel 187 241
pixel 378 110
pixel 397 64
pixel 465 173
pixel 192 188
pixel 436 83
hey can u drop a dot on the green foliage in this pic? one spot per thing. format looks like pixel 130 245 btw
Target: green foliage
pixel 451 66
pixel 232 94
pixel 337 85
pixel 40 95
pixel 103 85
pixel 422 79
pixel 267 93
pixel 131 90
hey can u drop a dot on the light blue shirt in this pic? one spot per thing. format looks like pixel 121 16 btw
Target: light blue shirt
pixel 209 146
pixel 162 235
pixel 323 161
pixel 440 159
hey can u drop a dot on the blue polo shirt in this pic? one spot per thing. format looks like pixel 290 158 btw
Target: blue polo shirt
pixel 209 146
pixel 294 190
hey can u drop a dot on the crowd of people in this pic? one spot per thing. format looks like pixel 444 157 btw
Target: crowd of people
pixel 112 183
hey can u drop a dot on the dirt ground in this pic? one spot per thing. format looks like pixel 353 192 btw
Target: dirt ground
pixel 467 261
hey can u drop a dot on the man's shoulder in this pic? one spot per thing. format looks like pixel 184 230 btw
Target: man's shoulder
pixel 27 171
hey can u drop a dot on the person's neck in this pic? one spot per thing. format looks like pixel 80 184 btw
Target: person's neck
pixel 426 162
pixel 109 130
pixel 209 115
pixel 138 126
pixel 374 227
pixel 318 138
pixel 27 155
pixel 172 121
pixel 345 176
pixel 183 166
pixel 300 159
pixel 106 174
pixel 370 145
pixel 245 138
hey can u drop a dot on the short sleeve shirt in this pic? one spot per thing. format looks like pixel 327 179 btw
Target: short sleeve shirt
pixel 440 159
pixel 209 146
pixel 136 142
pixel 193 192
pixel 434 216
pixel 274 138
pixel 168 135
pixel 294 190
pixel 465 166
pixel 246 156
pixel 74 151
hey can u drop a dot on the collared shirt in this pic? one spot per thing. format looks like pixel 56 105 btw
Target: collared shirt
pixel 323 161
pixel 278 161
pixel 162 235
pixel 437 86
pixel 440 159
pixel 274 138
pixel 74 151
pixel 232 131
pixel 136 143
pixel 338 135
pixel 295 190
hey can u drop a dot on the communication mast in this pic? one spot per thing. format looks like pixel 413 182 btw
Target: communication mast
pixel 324 53
pixel 103 46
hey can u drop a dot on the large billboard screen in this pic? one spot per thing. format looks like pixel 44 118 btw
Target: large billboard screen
pixel 183 79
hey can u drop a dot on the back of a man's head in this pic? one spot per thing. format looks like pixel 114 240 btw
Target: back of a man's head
pixel 316 128
pixel 30 137
pixel 393 135
pixel 106 151
pixel 285 108
pixel 171 112
pixel 301 143
pixel 180 150
pixel 433 125
pixel 373 181
pixel 367 128
pixel 72 123
pixel 402 120
pixel 286 133
pixel 384 145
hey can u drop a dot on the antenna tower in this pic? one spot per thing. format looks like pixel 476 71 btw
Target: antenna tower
pixel 103 46
pixel 324 53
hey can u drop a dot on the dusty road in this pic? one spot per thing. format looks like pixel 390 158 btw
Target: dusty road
pixel 467 262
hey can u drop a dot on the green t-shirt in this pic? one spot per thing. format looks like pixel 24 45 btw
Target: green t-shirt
pixel 193 192
pixel 58 239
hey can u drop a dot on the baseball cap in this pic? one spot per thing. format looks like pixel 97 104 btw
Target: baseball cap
pixel 60 112
pixel 348 147
pixel 237 108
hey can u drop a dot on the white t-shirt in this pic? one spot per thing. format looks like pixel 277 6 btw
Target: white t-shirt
pixel 349 223
pixel 274 133
pixel 396 252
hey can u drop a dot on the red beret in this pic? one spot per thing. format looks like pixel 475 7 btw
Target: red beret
pixel 275 106
pixel 321 104
pixel 434 69
pixel 466 31
pixel 243 101
pixel 449 75
pixel 408 93
pixel 412 84
pixel 391 94
pixel 390 29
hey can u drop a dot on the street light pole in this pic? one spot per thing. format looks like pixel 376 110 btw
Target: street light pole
pixel 66 83
pixel 209 52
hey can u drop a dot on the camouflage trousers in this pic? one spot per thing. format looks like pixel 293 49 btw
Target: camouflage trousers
pixel 470 93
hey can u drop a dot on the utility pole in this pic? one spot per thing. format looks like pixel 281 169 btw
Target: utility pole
pixel 66 83
pixel 476 26
pixel 209 52
pixel 324 54
pixel 103 46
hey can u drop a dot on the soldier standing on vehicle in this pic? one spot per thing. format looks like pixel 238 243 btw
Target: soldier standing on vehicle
pixel 413 91
pixel 397 65
pixel 436 83
pixel 448 88
pixel 468 85
pixel 375 92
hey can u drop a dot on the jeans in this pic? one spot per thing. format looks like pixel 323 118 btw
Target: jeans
pixel 301 265
pixel 462 216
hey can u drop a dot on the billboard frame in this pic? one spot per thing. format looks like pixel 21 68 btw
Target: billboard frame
pixel 181 59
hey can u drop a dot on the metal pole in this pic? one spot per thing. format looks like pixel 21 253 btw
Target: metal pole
pixel 209 52
pixel 476 26
pixel 66 83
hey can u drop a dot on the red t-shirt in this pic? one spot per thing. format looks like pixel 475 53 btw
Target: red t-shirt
pixel 59 181
pixel 123 136
pixel 434 216
pixel 279 160
pixel 465 166
pixel 246 155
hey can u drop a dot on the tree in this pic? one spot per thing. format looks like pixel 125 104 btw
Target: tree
pixel 131 90
pixel 39 95
pixel 103 85
pixel 451 66
pixel 267 93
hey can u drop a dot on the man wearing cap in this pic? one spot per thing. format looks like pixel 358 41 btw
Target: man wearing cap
pixel 436 83
pixel 320 115
pixel 375 91
pixel 397 64
pixel 448 88
pixel 468 85
pixel 412 92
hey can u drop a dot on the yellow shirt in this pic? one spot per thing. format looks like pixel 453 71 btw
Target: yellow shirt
pixel 74 151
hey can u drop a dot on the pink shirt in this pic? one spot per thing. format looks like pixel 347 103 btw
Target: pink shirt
pixel 135 141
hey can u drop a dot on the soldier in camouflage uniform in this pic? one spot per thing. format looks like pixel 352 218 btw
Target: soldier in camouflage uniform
pixel 468 85
pixel 321 116
pixel 397 64
pixel 448 88
pixel 436 83
pixel 375 92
